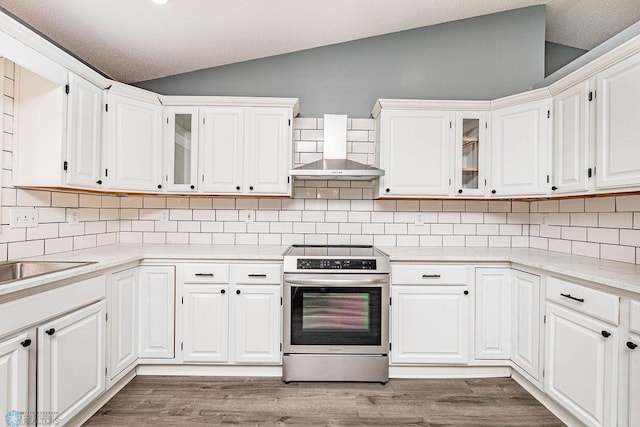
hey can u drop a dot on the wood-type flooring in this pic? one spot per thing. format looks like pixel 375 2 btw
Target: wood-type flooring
pixel 204 401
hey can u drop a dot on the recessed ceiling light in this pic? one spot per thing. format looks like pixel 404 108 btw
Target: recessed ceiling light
pixel 159 1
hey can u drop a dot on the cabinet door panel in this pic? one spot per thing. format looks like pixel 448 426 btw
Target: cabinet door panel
pixel 181 149
pixel 526 322
pixel 571 139
pixel 519 150
pixel 257 324
pixel 206 323
pixel 617 141
pixel 156 312
pixel 429 325
pixel 470 153
pixel 581 365
pixel 415 149
pixel 85 134
pixel 14 374
pixel 71 365
pixel 135 156
pixel 634 381
pixel 221 150
pixel 493 314
pixel 123 325
pixel 268 157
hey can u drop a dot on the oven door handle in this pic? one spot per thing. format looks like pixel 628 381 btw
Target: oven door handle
pixel 339 282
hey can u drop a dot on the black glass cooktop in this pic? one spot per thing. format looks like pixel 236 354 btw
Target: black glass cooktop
pixel 334 251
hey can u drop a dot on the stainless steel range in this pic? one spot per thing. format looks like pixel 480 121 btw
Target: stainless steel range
pixel 336 314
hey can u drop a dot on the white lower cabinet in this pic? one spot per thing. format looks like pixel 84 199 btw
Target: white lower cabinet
pixel 633 347
pixel 16 375
pixel 525 308
pixel 206 323
pixel 257 323
pixel 581 365
pixel 232 314
pixel 71 361
pixel 122 321
pixel 156 308
pixel 493 313
pixel 429 324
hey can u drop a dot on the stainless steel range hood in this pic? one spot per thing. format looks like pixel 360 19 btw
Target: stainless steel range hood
pixel 334 165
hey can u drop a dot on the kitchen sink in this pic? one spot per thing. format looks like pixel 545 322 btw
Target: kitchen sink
pixel 17 270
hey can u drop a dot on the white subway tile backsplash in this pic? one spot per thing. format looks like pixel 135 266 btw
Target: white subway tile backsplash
pixel 572 205
pixel 628 203
pixel 449 217
pixel 53 246
pixel 603 235
pixel 615 220
pixel 431 241
pixel 17 250
pixel 458 241
pixel 359 216
pixel 208 239
pixel 499 241
pixel 584 219
pixel 618 253
pixel 585 249
pixel 600 204
pixel 38 198
pixel 630 237
pixel 178 202
pixel 318 216
pixel 430 206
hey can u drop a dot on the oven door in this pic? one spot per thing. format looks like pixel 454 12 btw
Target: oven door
pixel 336 313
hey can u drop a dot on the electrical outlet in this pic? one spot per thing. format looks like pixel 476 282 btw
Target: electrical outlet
pixel 73 217
pixel 419 218
pixel 544 219
pixel 164 215
pixel 23 217
pixel 248 216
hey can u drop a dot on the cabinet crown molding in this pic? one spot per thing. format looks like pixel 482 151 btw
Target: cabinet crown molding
pixel 419 104
pixel 134 93
pixel 230 101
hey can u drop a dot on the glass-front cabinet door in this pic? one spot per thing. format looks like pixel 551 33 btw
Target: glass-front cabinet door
pixel 471 131
pixel 181 149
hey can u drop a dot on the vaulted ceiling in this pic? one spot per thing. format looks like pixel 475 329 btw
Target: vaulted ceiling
pixel 135 40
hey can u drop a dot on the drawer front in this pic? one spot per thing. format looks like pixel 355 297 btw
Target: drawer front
pixel 426 274
pixel 33 309
pixel 258 273
pixel 596 303
pixel 634 315
pixel 205 273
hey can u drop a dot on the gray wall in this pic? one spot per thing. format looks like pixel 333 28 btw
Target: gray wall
pixel 557 56
pixel 606 46
pixel 478 58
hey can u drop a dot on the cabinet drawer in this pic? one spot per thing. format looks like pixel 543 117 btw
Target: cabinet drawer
pixel 596 303
pixel 429 275
pixel 205 273
pixel 634 316
pixel 258 273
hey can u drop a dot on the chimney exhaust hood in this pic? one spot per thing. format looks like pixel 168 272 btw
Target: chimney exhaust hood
pixel 334 165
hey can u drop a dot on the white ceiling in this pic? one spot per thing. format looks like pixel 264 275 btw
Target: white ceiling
pixel 134 40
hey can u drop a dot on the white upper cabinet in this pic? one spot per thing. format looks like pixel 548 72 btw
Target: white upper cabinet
pixel 134 161
pixel 471 148
pixel 181 149
pixel 221 150
pixel 618 150
pixel 571 140
pixel 268 150
pixel 415 152
pixel 57 131
pixel 85 134
pixel 519 149
pixel 246 150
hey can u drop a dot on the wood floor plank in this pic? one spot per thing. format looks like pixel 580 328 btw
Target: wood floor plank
pixel 206 401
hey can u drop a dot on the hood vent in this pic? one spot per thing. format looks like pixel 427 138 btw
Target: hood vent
pixel 334 165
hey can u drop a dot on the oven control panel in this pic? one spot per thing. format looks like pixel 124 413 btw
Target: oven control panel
pixel 336 264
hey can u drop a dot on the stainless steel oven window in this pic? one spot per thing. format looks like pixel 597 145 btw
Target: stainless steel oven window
pixel 336 316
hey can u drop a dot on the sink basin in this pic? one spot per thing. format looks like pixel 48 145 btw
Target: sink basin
pixel 16 270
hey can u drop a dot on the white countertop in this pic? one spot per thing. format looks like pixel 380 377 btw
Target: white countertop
pixel 617 275
pixel 114 255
